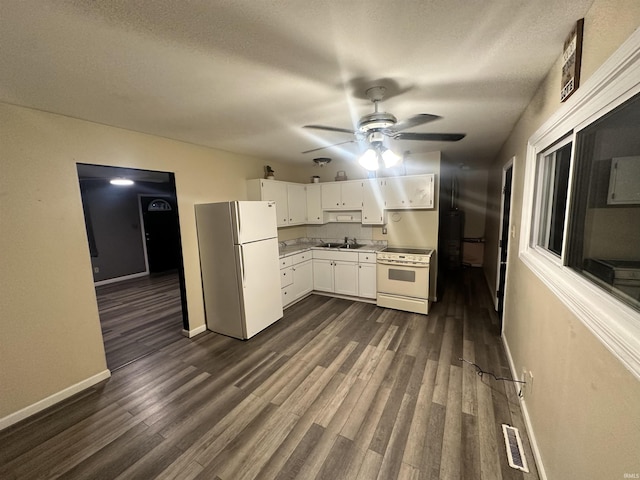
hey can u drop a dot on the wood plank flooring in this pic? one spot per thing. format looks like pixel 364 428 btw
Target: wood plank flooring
pixel 139 316
pixel 335 390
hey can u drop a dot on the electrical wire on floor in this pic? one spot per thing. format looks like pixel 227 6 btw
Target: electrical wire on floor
pixel 480 372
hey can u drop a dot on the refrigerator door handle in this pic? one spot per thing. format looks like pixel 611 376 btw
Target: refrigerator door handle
pixel 242 265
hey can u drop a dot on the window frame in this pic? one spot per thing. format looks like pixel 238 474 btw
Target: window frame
pixel 543 208
pixel 614 323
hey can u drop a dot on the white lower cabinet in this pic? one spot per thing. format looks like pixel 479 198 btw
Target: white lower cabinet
pixel 345 278
pixel 296 277
pixel 335 272
pixel 323 275
pixel 367 275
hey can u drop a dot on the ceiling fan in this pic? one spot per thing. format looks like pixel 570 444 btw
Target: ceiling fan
pixel 374 127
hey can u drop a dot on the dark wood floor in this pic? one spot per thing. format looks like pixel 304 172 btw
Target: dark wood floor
pixel 335 390
pixel 139 316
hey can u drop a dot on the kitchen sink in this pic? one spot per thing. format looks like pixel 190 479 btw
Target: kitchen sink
pixel 351 246
pixel 331 245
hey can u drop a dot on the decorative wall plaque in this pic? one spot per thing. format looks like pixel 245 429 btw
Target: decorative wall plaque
pixel 571 57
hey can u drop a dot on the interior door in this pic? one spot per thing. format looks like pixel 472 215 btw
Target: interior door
pixel 503 247
pixel 162 235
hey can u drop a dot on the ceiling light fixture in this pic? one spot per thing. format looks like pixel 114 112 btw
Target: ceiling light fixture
pixel 377 154
pixel 322 161
pixel 121 182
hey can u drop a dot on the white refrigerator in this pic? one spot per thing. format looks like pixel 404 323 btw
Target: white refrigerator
pixel 238 243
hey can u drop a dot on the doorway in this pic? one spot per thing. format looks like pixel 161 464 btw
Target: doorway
pixel 134 240
pixel 161 232
pixel 503 243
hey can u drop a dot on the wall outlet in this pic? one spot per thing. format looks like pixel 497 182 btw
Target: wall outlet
pixel 96 269
pixel 384 230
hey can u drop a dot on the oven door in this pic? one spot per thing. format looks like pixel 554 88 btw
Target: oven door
pixel 404 280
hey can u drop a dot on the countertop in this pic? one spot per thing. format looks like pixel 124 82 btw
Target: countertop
pixel 292 249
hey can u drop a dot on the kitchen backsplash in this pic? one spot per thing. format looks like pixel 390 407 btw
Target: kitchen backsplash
pixel 337 231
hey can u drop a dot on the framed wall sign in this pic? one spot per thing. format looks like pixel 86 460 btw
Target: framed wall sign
pixel 571 57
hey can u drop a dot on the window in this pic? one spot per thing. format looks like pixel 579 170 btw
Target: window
pixel 581 204
pixel 604 241
pixel 553 182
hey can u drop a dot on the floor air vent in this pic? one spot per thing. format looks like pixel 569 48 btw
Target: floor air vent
pixel 515 452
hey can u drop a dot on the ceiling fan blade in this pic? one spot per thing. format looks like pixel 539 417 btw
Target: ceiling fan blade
pixel 414 121
pixel 435 137
pixel 328 146
pixel 330 129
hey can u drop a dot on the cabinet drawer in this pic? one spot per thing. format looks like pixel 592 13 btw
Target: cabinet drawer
pixel 300 257
pixel 286 277
pixel 369 257
pixel 287 298
pixel 285 262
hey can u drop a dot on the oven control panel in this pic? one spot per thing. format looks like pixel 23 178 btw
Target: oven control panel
pixel 403 258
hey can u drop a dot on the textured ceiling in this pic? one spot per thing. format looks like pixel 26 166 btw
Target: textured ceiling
pixel 245 76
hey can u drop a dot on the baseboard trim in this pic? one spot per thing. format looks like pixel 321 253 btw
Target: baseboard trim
pixel 57 397
pixel 525 413
pixel 120 279
pixel 195 331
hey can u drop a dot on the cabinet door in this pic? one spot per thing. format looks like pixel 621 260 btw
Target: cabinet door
pixel 346 278
pixel 277 191
pixel 323 275
pixel 409 192
pixel 372 202
pixel 314 204
pixel 297 203
pixel 624 181
pixel 331 196
pixel 367 280
pixel 302 279
pixel 419 191
pixel 351 193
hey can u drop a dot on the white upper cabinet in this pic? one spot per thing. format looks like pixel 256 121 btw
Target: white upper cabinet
pixel 415 191
pixel 342 195
pixel 624 182
pixel 290 198
pixel 373 202
pixel 276 191
pixel 300 204
pixel 314 204
pixel 297 203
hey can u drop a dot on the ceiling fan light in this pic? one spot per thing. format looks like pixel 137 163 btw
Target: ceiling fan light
pixel 390 158
pixel 121 182
pixel 369 159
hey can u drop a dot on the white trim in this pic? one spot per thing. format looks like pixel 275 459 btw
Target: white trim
pixel 196 331
pixel 510 164
pixel 120 279
pixel 15 417
pixel 525 415
pixel 615 324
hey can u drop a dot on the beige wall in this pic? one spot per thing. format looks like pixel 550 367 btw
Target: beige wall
pixel 51 336
pixel 584 406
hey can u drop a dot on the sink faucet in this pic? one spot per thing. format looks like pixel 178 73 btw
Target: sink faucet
pixel 355 242
pixel 346 240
